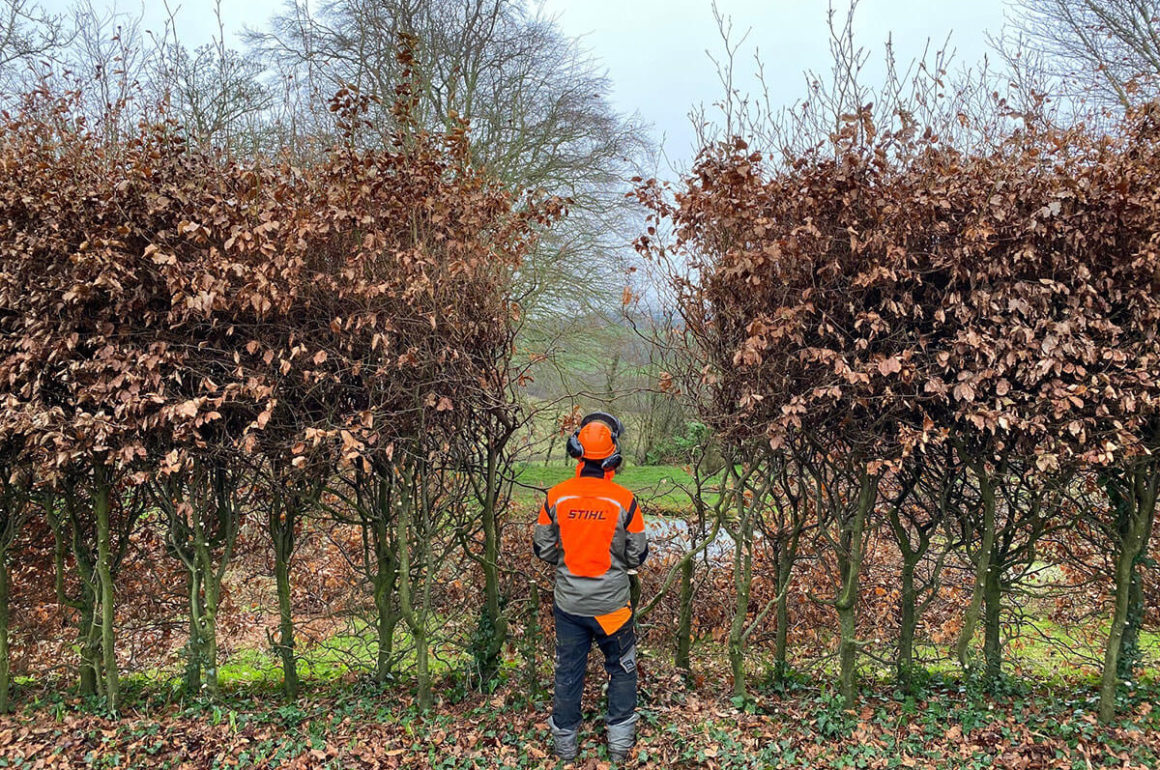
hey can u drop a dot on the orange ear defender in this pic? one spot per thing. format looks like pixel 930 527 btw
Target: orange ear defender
pixel 598 438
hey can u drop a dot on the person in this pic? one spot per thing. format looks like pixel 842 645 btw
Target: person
pixel 592 530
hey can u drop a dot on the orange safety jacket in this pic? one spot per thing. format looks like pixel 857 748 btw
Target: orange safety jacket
pixel 592 529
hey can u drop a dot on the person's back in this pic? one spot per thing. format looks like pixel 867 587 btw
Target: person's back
pixel 592 529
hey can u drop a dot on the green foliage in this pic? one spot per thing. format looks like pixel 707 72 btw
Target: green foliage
pixel 680 448
pixel 484 652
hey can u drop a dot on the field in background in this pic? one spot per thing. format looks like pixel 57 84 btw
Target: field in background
pixel 659 488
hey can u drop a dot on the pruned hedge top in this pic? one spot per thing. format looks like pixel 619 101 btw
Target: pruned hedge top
pixel 899 292
pixel 158 300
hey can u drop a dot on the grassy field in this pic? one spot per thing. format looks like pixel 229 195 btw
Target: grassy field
pixel 657 487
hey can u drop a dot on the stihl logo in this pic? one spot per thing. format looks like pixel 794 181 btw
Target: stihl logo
pixel 583 515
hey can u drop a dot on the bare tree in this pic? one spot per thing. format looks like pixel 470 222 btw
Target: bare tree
pixel 27 32
pixel 1105 50
pixel 215 92
pixel 537 106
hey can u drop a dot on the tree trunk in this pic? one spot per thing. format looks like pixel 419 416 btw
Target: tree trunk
pixel 685 618
pixel 982 568
pixel 210 646
pixel 101 505
pixel 90 643
pixel 86 602
pixel 531 643
pixel 493 624
pixel 422 669
pixel 5 669
pixel 904 669
pixel 386 580
pixel 422 651
pixel 410 616
pixel 192 679
pixel 281 526
pixel 208 631
pixel 742 582
pixel 1136 511
pixel 781 640
pixel 847 656
pixel 1130 645
pixel 847 602
pixel 285 625
pixel 992 627
pixel 1109 679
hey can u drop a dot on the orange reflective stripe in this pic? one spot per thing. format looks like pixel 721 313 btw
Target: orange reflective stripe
pixel 612 622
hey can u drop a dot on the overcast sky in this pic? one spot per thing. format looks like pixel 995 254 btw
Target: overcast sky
pixel 654 51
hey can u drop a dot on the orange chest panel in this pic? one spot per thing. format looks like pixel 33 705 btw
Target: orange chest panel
pixel 587 526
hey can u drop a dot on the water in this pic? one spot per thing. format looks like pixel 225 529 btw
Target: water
pixel 670 536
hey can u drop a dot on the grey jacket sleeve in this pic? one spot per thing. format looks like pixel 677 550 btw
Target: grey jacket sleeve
pixel 546 539
pixel 635 538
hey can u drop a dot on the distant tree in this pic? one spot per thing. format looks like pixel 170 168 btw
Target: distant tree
pixel 27 32
pixel 537 107
pixel 216 95
pixel 1108 50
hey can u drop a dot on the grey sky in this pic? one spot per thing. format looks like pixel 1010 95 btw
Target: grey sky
pixel 654 51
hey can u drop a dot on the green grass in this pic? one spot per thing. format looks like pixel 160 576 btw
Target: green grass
pixel 1044 651
pixel 657 487
pixel 332 659
pixel 325 663
pixel 1043 648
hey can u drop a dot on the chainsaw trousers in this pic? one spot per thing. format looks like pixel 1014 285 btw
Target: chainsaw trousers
pixel 574 637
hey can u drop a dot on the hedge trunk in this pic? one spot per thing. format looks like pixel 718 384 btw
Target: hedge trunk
pixel 992 621
pixel 531 643
pixel 685 618
pixel 208 631
pixel 785 565
pixel 387 618
pixel 101 505
pixel 781 637
pixel 847 601
pixel 281 526
pixel 904 668
pixel 742 583
pixel 1130 645
pixel 982 568
pixel 413 616
pixel 4 662
pixel 1109 679
pixel 89 676
pixel 192 676
pixel 1135 509
pixel 493 624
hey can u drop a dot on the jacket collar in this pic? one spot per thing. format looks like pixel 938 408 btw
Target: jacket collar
pixel 591 470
